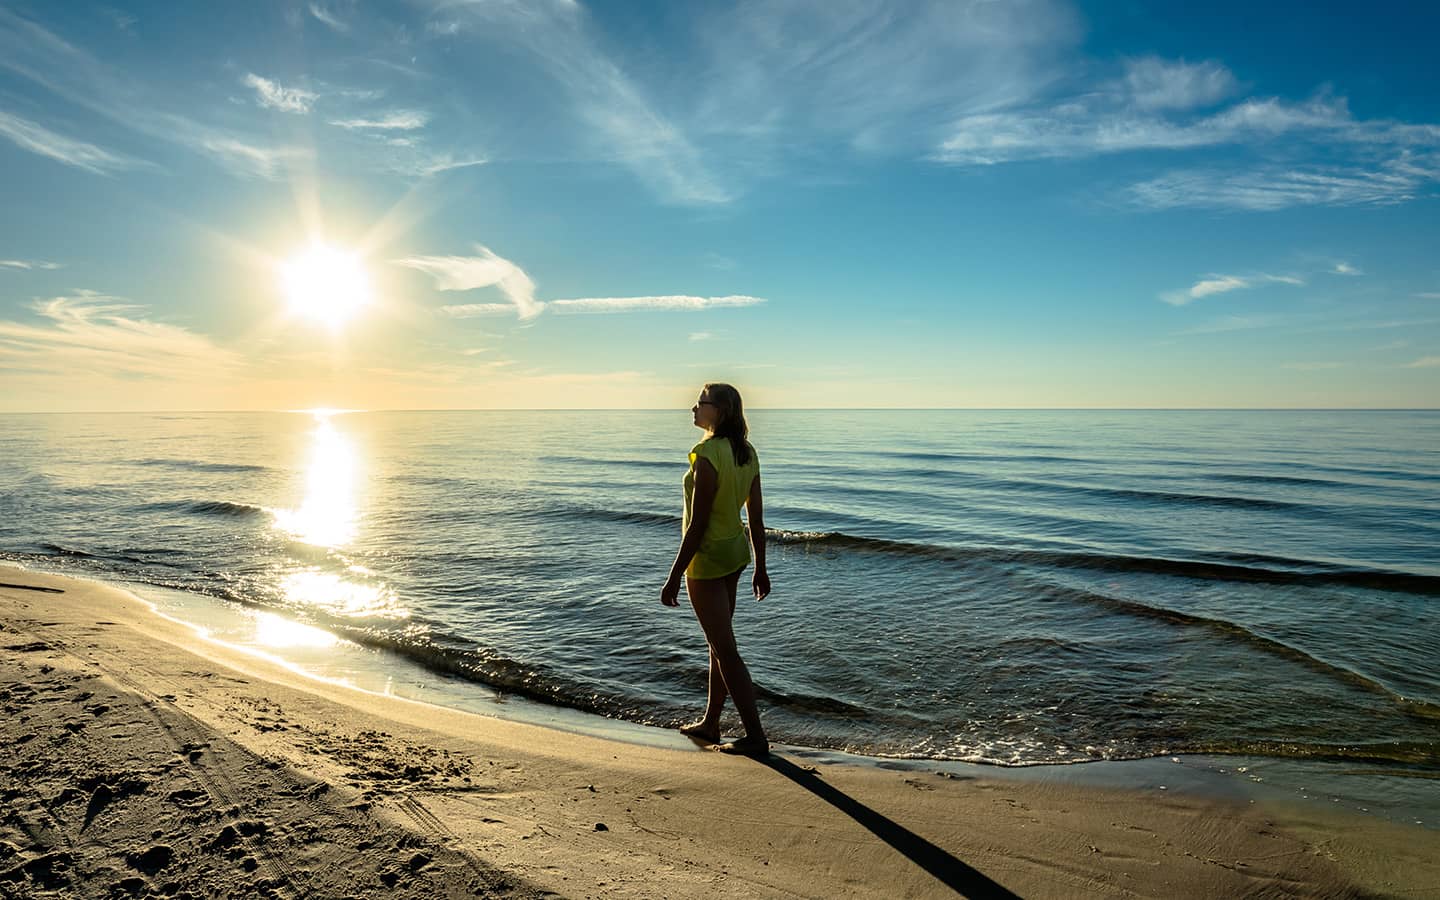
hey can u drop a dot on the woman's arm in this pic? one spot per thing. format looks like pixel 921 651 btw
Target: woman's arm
pixel 755 512
pixel 707 483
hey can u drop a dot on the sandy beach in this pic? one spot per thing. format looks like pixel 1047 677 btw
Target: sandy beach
pixel 145 759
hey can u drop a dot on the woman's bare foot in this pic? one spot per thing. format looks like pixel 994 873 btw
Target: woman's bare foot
pixel 745 746
pixel 702 730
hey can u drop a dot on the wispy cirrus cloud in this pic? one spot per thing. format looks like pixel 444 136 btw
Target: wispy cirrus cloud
pixel 613 108
pixel 1344 268
pixel 783 73
pixel 1424 362
pixel 324 14
pixel 1265 188
pixel 89 332
pixel 467 273
pixel 37 54
pixel 396 120
pixel 1221 284
pixel 28 264
pixel 242 158
pixel 488 269
pixel 80 154
pixel 273 95
pixel 1167 105
pixel 633 304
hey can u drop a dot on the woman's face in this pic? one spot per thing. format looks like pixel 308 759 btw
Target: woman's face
pixel 707 416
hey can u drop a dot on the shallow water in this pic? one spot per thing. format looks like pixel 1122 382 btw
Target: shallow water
pixel 1016 587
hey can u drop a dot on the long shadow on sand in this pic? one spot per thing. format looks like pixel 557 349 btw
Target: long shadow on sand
pixel 956 875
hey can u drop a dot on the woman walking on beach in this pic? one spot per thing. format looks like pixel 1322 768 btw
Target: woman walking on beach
pixel 724 475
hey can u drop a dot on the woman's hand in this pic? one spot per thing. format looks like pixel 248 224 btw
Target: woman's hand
pixel 670 593
pixel 760 584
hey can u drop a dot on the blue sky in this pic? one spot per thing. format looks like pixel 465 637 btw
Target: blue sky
pixel 560 204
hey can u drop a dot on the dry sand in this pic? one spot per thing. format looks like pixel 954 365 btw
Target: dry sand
pixel 143 759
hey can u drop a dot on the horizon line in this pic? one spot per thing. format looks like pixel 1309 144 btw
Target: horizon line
pixel 349 410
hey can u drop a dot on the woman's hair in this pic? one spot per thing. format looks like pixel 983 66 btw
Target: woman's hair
pixel 730 422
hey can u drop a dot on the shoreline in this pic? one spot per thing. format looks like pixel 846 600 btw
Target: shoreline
pixel 517 808
pixel 1396 795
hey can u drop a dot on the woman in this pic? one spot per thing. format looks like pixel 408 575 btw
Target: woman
pixel 724 475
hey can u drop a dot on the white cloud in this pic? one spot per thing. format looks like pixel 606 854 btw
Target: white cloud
pixel 632 304
pixel 612 107
pixel 1221 284
pixel 272 95
pixel 323 14
pixel 41 140
pixel 71 73
pixel 1234 323
pixel 1154 83
pixel 242 158
pixel 1101 124
pixel 472 310
pixel 1265 188
pixel 443 162
pixel 28 264
pixel 701 336
pixel 94 333
pixel 1161 105
pixel 1344 268
pixel 467 273
pixel 879 77
pixel 488 269
pixel 402 120
pixel 1424 362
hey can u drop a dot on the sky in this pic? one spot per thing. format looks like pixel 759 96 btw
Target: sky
pixel 557 204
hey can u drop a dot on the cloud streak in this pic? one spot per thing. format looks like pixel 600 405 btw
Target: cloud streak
pixel 1222 284
pixel 95 333
pixel 671 302
pixel 488 269
pixel 79 154
pixel 272 95
pixel 467 273
pixel 613 109
pixel 28 264
pixel 1162 105
pixel 398 120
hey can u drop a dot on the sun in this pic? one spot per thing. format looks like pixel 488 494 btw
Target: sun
pixel 326 284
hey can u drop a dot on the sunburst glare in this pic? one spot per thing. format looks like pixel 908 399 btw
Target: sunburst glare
pixel 326 284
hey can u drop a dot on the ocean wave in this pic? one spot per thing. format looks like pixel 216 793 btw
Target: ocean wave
pixel 591 462
pixel 1304 573
pixel 1236 631
pixel 205 508
pixel 198 465
pixel 50 549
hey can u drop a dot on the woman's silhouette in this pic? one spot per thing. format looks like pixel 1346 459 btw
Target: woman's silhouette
pixel 724 475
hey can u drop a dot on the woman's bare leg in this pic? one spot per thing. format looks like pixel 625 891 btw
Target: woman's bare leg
pixel 707 727
pixel 714 604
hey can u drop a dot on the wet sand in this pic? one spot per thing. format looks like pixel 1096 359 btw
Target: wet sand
pixel 143 757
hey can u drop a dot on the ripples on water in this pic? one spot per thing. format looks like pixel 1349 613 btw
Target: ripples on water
pixel 1013 587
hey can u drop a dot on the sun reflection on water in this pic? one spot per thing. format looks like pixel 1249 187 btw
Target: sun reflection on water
pixel 327 516
pixel 277 631
pixel 314 589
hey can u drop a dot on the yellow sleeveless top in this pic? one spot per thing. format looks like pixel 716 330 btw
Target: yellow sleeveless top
pixel 724 547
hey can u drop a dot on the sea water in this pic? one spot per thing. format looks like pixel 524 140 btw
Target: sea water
pixel 1010 587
